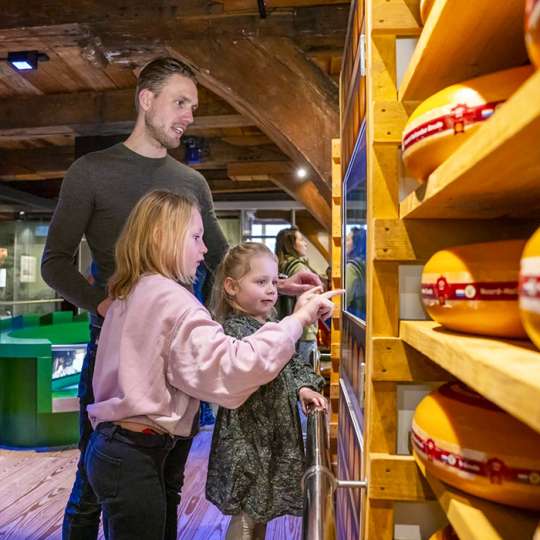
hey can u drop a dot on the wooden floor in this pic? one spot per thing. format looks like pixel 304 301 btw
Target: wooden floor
pixel 34 487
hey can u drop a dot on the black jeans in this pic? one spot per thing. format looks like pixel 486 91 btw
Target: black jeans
pixel 81 517
pixel 137 478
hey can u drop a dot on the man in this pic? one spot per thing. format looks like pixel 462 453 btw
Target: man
pixel 98 193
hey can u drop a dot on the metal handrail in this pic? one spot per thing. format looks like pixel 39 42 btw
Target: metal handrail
pixel 319 482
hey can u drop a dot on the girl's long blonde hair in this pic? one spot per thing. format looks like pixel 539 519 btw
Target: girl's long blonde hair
pixel 152 241
pixel 235 265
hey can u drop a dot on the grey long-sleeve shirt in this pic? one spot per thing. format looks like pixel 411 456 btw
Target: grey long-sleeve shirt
pixel 98 192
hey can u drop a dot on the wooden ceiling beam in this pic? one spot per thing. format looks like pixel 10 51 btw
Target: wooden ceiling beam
pixel 52 162
pixel 95 112
pixel 248 5
pixel 35 163
pixel 39 13
pixel 228 186
pixel 249 171
pixel 73 21
pixel 33 36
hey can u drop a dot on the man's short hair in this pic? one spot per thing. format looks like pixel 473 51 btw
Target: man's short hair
pixel 154 75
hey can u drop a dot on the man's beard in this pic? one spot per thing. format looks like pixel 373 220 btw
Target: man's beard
pixel 159 134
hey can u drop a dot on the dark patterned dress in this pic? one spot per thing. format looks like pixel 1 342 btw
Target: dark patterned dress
pixel 257 457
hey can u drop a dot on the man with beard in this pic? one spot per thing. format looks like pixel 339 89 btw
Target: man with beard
pixel 98 192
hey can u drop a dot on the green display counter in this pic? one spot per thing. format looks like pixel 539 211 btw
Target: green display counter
pixel 40 362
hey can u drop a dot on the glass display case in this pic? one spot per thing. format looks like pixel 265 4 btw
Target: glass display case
pixel 22 289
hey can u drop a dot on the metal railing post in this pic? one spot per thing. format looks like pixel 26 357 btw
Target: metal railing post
pixel 319 482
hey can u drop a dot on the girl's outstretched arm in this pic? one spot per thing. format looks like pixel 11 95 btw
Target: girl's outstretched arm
pixel 207 364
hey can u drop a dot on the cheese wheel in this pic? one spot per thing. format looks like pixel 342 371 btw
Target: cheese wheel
pixel 532 30
pixel 529 288
pixel 425 9
pixel 471 444
pixel 474 288
pixel 447 533
pixel 442 123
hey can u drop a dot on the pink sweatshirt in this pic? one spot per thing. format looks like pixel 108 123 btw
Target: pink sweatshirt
pixel 160 352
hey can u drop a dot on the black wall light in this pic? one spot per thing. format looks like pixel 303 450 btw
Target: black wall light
pixel 26 60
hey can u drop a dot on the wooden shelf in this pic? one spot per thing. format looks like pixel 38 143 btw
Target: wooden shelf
pixel 506 372
pixel 463 39
pixel 478 519
pixel 496 173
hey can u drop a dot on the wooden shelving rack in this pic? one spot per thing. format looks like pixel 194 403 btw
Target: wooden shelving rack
pixel 494 176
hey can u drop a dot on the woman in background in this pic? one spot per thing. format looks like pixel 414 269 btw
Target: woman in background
pixel 291 251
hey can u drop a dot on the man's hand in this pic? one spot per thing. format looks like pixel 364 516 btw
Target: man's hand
pixel 311 400
pixel 104 305
pixel 299 283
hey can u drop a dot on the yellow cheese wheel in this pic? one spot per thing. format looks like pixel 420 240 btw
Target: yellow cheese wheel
pixel 532 30
pixel 469 443
pixel 474 288
pixel 529 288
pixel 425 8
pixel 442 123
pixel 447 533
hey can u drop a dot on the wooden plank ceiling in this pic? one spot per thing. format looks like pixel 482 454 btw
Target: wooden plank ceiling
pixel 268 93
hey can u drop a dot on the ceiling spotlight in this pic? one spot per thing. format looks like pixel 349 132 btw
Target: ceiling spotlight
pixel 301 172
pixel 26 60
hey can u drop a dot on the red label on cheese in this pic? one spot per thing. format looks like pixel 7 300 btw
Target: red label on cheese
pixel 495 469
pixel 442 291
pixel 457 119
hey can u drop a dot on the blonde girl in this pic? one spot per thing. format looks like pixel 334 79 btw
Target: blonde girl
pixel 257 456
pixel 159 353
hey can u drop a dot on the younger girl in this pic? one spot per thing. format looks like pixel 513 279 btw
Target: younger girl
pixel 257 456
pixel 159 353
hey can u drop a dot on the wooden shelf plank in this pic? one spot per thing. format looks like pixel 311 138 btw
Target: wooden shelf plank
pixel 478 519
pixel 442 57
pixel 395 361
pixel 506 372
pixel 496 173
pixel 396 17
pixel 416 240
pixel 396 478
